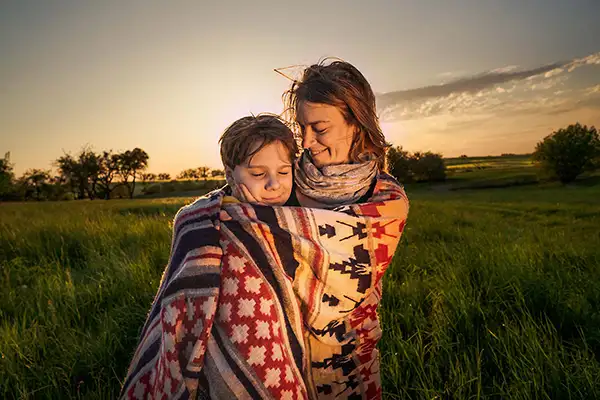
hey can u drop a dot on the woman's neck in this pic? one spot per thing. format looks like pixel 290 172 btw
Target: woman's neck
pixel 309 202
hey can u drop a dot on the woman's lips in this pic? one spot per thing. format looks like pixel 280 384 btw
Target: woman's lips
pixel 317 152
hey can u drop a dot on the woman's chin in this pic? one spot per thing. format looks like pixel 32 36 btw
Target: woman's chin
pixel 321 160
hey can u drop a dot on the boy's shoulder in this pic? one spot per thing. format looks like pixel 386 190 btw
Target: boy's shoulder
pixel 208 205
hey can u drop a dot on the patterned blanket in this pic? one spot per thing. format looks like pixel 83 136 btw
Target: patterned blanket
pixel 276 303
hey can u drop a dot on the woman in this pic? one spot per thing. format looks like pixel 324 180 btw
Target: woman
pixel 319 263
pixel 343 163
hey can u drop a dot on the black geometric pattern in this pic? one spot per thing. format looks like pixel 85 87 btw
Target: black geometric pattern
pixel 327 230
pixel 359 230
pixel 332 300
pixel 337 361
pixel 356 268
pixel 334 327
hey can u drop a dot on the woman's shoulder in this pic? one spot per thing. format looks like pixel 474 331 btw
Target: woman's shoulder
pixel 387 187
pixel 386 178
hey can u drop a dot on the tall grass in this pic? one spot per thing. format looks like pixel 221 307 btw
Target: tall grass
pixel 76 283
pixel 492 294
pixel 495 299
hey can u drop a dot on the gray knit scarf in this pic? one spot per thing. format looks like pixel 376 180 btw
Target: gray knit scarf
pixel 335 184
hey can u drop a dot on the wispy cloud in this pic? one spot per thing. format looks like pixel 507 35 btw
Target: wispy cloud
pixel 483 90
pixel 504 109
pixel 471 84
pixel 593 90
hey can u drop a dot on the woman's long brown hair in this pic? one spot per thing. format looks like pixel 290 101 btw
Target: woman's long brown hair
pixel 341 85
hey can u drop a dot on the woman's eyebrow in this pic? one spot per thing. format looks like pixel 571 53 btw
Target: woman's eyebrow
pixel 321 121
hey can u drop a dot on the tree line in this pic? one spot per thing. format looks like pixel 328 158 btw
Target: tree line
pixel 564 155
pixel 87 175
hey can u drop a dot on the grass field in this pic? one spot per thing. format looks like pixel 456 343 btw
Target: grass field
pixel 492 294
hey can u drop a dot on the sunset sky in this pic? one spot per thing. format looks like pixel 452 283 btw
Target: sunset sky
pixel 476 77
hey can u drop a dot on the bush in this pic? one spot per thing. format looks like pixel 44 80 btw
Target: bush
pixel 417 167
pixel 186 186
pixel 398 162
pixel 67 196
pixel 151 189
pixel 570 151
pixel 119 192
pixel 428 167
pixel 168 187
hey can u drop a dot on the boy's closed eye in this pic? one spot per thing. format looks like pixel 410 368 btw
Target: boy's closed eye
pixel 282 171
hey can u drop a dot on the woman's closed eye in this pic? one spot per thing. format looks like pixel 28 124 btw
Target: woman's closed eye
pixel 320 129
pixel 257 174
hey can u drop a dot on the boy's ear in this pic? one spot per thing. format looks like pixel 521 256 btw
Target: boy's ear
pixel 229 177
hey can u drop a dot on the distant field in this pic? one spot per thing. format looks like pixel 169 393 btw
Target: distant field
pixel 491 161
pixel 492 294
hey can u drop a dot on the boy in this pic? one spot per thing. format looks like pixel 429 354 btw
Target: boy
pixel 258 154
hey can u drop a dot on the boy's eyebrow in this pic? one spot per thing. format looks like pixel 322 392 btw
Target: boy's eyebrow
pixel 264 166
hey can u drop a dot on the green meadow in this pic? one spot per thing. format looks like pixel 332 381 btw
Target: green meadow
pixel 494 291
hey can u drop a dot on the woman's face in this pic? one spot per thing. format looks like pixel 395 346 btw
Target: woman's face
pixel 325 133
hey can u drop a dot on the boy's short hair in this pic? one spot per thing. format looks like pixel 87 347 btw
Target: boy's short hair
pixel 239 138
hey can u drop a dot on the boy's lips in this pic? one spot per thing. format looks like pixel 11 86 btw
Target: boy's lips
pixel 271 199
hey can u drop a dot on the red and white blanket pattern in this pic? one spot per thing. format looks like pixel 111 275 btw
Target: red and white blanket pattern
pixel 276 303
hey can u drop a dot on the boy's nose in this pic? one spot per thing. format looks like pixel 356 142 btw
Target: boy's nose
pixel 273 183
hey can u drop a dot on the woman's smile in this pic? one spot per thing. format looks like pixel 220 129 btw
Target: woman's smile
pixel 325 133
pixel 314 153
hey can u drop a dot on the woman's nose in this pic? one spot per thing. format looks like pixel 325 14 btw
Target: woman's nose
pixel 308 138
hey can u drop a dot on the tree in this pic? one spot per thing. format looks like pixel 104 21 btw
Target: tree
pixel 203 172
pixel 132 162
pixel 417 167
pixel 190 173
pixel 427 167
pixel 164 177
pixel 6 176
pixel 110 164
pixel 217 172
pixel 34 183
pixel 398 161
pixel 148 177
pixel 569 152
pixel 82 172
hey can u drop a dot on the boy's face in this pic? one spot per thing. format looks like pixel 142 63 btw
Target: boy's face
pixel 268 175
